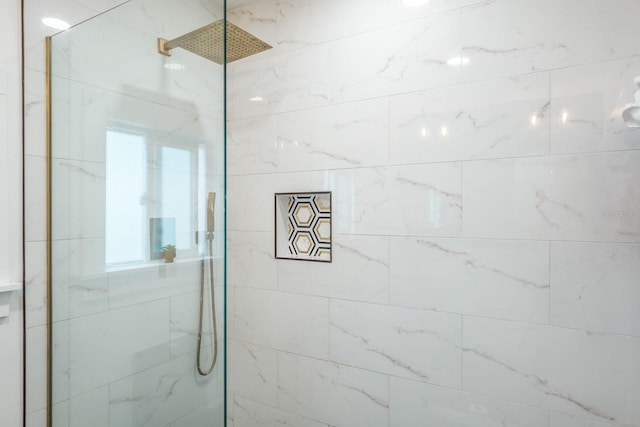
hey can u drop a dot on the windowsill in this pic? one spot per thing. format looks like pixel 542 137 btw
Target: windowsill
pixel 152 264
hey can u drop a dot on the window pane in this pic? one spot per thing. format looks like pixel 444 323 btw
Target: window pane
pixel 126 184
pixel 177 192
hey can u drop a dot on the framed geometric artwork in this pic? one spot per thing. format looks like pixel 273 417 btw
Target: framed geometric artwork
pixel 303 226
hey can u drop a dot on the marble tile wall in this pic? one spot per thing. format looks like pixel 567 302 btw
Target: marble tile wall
pixel 121 375
pixel 486 214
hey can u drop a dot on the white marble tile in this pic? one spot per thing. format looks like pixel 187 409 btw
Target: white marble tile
pixel 410 401
pixel 100 5
pixel 36 31
pixel 359 271
pixel 5 247
pixel 248 413
pixel 535 39
pixel 166 18
pixel 258 18
pixel 36 283
pixel 252 372
pixel 135 68
pixel 83 113
pixel 12 336
pixel 59 415
pixel 494 119
pixel 595 287
pixel 396 59
pixel 11 177
pixel 160 395
pixel 10 56
pixel 90 409
pixel 309 22
pixel 82 190
pixel 493 278
pixel 79 120
pixel 286 82
pixel 250 259
pixel 288 322
pixel 140 334
pixel 422 200
pixel 34 113
pixel 330 393
pixel 251 197
pixel 36 374
pixel 212 412
pixel 39 419
pixel 88 285
pixel 185 315
pixel 415 344
pixel 592 376
pixel 557 419
pixel 586 107
pixel 230 311
pixel 60 201
pixel 554 198
pixel 60 280
pixel 338 136
pixel 60 346
pixel 35 199
pixel 252 145
pixel 184 325
pixel 151 282
pixel 406 10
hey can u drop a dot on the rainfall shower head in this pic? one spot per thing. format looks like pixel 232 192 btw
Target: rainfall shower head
pixel 208 42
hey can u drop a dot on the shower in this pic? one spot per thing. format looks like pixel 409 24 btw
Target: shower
pixel 207 42
pixel 151 152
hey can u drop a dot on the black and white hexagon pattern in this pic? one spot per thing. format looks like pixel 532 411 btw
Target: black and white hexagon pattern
pixel 309 226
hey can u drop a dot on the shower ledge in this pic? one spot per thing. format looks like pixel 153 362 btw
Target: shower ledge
pixel 10 287
pixel 5 309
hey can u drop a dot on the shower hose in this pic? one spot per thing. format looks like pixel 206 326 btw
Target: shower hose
pixel 206 371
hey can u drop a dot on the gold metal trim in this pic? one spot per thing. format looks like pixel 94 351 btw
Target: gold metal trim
pixel 48 221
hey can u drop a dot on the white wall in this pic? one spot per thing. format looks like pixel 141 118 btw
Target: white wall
pixel 10 216
pixel 486 214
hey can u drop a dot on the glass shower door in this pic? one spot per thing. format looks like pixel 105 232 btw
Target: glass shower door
pixel 137 221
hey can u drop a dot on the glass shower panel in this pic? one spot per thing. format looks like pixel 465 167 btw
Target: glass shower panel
pixel 137 164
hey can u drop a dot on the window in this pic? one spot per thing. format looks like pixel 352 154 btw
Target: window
pixel 149 180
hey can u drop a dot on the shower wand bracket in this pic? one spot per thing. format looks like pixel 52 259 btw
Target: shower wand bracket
pixel 162 47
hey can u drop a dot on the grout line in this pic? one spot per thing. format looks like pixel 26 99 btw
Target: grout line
pixel 441 237
pixel 462 186
pixel 549 126
pixel 538 157
pixel 462 352
pixel 389 288
pixel 550 287
pixel 442 312
pixel 389 400
pixel 461 83
pixel 329 354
